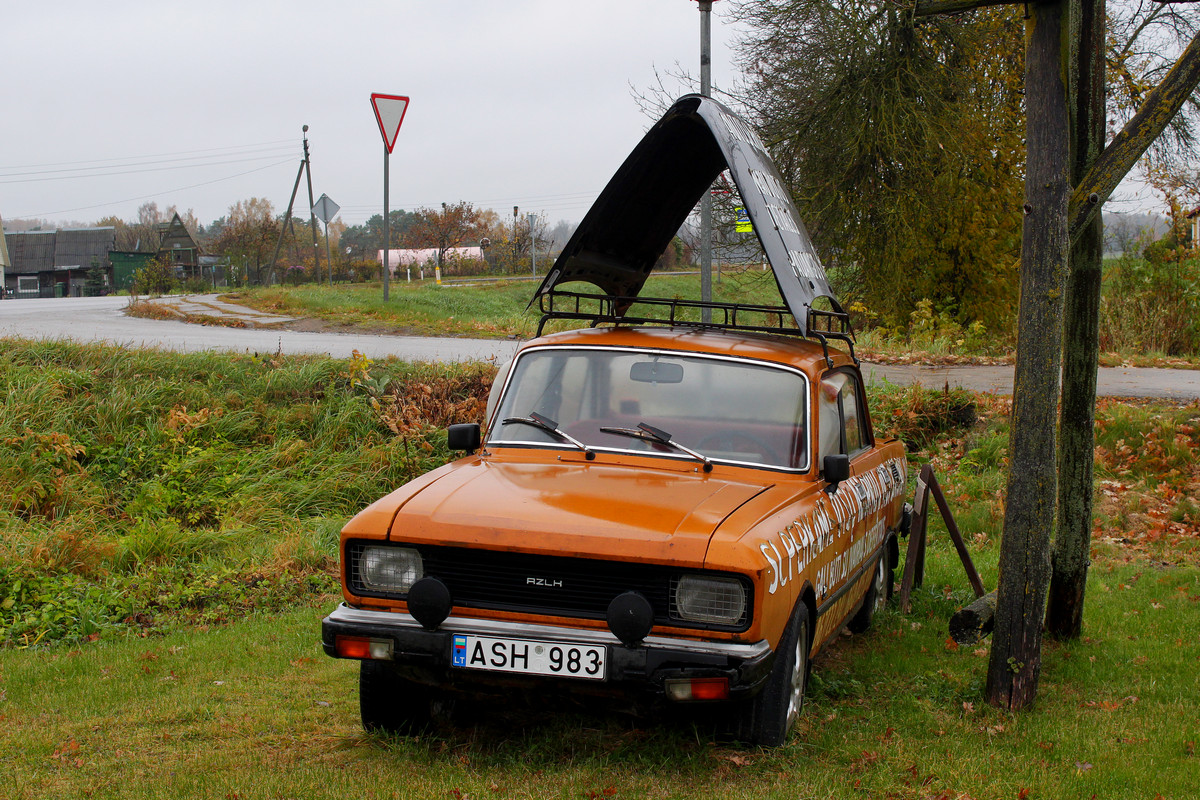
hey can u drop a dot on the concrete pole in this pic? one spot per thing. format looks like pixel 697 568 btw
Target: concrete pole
pixel 532 246
pixel 312 215
pixel 706 201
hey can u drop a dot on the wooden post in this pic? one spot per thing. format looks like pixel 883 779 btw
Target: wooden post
pixel 1016 658
pixel 914 561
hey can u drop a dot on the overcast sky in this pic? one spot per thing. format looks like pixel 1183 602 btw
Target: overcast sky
pixel 106 106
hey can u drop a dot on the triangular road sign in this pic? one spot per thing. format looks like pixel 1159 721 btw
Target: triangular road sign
pixel 389 113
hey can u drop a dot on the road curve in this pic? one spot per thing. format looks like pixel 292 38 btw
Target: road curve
pixel 102 319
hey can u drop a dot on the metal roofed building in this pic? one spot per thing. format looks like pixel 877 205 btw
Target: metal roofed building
pixel 57 263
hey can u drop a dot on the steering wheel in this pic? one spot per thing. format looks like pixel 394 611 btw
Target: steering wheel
pixel 739 442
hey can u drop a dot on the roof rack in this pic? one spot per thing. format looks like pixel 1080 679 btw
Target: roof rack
pixel 599 309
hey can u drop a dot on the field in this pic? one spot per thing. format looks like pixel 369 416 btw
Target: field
pixel 1135 324
pixel 169 533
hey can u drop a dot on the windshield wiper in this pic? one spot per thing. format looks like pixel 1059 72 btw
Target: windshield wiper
pixel 649 433
pixel 548 425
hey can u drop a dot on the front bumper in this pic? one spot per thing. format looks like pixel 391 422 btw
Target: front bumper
pixel 427 654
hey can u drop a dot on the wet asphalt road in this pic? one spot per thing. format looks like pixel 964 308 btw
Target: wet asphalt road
pixel 103 319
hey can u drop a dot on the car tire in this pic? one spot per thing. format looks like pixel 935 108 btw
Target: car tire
pixel 875 598
pixel 390 703
pixel 767 718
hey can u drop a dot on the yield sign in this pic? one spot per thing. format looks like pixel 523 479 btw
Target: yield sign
pixel 389 113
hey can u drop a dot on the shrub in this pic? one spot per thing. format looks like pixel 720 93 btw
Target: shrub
pixel 157 277
pixel 1152 306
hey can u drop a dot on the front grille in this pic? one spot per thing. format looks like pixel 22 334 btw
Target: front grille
pixel 541 584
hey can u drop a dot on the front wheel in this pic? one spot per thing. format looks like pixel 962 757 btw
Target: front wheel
pixel 389 703
pixel 768 717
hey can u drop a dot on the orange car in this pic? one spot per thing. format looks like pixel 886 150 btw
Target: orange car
pixel 682 503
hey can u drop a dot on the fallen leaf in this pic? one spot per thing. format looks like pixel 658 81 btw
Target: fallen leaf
pixel 734 758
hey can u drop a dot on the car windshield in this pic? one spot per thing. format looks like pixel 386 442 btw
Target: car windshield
pixel 725 409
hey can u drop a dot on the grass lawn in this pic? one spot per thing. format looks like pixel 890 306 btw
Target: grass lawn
pixel 254 710
pixel 167 534
pixel 492 309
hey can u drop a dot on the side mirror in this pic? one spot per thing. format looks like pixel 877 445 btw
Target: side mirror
pixel 836 469
pixel 466 436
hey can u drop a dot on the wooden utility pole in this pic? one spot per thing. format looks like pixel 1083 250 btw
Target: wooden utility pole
pixel 1081 346
pixel 1016 657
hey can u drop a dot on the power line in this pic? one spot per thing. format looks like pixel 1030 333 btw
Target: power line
pixel 152 194
pixel 198 161
pixel 227 149
pixel 134 171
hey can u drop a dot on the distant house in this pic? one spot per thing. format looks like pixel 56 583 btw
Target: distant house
pixel 177 246
pixel 174 245
pixel 57 263
pixel 423 256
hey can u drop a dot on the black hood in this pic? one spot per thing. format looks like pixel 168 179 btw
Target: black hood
pixel 642 208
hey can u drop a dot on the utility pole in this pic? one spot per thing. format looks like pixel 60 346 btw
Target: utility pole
pixel 532 246
pixel 706 200
pixel 312 217
pixel 287 217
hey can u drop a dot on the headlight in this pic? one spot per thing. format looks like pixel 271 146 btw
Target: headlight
pixel 390 569
pixel 703 599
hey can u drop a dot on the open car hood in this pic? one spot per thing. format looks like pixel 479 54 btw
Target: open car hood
pixel 642 208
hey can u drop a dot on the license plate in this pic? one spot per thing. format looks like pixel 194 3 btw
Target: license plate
pixel 530 657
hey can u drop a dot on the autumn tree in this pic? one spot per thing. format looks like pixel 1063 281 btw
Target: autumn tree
pixel 1068 179
pixel 902 146
pixel 249 235
pixel 365 240
pixel 451 226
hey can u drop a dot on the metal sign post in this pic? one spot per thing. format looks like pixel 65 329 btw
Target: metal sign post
pixel 326 209
pixel 389 113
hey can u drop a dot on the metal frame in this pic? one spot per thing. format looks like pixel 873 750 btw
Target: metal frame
pixel 599 309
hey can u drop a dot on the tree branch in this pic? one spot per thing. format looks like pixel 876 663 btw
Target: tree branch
pixel 1160 107
pixel 928 8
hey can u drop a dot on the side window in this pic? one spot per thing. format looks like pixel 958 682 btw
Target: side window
pixel 842 429
pixel 830 416
pixel 851 417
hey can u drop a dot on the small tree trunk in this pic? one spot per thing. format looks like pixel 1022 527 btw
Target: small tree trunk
pixel 1077 417
pixel 1015 663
